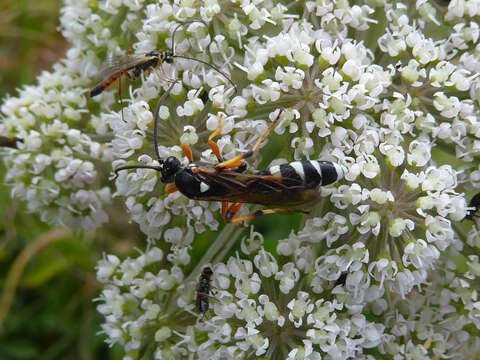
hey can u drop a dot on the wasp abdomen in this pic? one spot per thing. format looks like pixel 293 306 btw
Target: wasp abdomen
pixel 9 142
pixel 97 90
pixel 104 84
pixel 308 173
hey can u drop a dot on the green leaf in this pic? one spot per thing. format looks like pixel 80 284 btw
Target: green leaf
pixel 18 349
pixel 43 271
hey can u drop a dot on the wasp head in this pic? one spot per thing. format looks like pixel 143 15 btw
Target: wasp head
pixel 169 169
pixel 168 57
pixel 207 272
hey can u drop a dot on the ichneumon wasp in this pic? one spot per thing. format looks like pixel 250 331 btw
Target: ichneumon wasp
pixel 132 66
pixel 204 290
pixel 10 142
pixel 287 186
pixel 136 64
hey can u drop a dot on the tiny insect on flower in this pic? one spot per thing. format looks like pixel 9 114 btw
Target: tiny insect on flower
pixel 137 64
pixel 204 290
pixel 132 66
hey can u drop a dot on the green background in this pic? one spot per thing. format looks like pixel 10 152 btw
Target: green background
pixel 47 276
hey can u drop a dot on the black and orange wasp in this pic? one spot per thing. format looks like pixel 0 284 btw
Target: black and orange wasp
pixel 137 64
pixel 132 66
pixel 288 186
pixel 204 290
pixel 10 142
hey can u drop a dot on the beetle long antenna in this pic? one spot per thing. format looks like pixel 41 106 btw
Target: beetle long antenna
pixel 155 123
pixel 197 60
pixel 183 24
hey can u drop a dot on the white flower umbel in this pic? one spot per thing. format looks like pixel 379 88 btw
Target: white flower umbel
pixel 57 168
pixel 262 308
pixel 385 265
pixel 272 307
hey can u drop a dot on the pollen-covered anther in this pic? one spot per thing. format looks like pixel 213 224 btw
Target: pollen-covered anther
pixel 189 136
pixel 398 226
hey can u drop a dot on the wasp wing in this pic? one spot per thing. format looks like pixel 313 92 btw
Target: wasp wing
pixel 254 188
pixel 118 64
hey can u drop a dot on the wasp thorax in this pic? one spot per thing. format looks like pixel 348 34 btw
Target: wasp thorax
pixel 155 53
pixel 169 169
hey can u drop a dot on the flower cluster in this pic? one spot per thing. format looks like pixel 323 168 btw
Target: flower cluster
pixel 387 89
pixel 55 170
pixel 293 307
pixel 260 307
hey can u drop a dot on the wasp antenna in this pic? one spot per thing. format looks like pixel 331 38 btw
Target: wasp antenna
pixel 120 95
pixel 211 66
pixel 197 60
pixel 155 123
pixel 181 25
pixel 264 135
pixel 128 167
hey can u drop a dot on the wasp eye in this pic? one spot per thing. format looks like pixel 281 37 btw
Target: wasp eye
pixel 172 162
pixel 171 166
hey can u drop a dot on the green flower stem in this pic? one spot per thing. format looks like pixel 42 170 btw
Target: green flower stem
pixel 221 246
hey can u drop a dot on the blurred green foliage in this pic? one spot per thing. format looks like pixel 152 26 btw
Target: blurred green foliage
pixel 29 41
pixel 51 314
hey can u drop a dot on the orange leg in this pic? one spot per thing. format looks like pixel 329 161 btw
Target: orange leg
pixel 127 75
pixel 187 151
pixel 170 188
pixel 213 145
pixel 160 77
pixel 236 219
pixel 120 95
pixel 231 211
pixel 224 208
pixel 157 74
pixel 236 161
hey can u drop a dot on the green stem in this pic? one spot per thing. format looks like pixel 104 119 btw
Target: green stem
pixel 222 244
pixel 229 243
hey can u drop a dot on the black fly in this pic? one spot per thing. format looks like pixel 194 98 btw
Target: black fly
pixel 204 290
